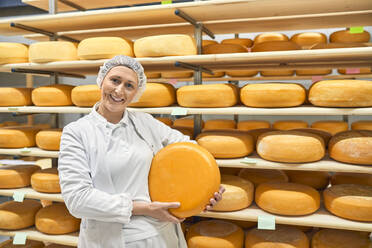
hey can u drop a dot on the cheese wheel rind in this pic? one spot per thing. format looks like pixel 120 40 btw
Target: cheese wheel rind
pixel 85 95
pixel 17 137
pixel 46 181
pixel 28 244
pixel 49 139
pixel 104 48
pixel 17 215
pixel 351 178
pixel 17 176
pixel 335 238
pixel 308 39
pixel 266 37
pixel 52 95
pixel 259 176
pixel 362 125
pixel 224 48
pixel 315 179
pixel 11 52
pixel 156 95
pixel 332 127
pixel 289 124
pixel 344 36
pixel 49 51
pixel 15 96
pixel 252 124
pixel 219 124
pixel 241 41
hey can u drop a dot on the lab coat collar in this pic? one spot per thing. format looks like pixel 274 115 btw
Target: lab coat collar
pixel 102 120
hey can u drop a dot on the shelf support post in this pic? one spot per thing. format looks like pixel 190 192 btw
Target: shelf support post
pixel 235 82
pixel 53 8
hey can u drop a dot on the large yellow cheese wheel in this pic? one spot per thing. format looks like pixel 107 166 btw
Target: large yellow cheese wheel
pixel 361 71
pixel 281 237
pixel 18 215
pixel 226 144
pixel 352 147
pixel 85 95
pixel 56 219
pixel 290 146
pixel 337 45
pixel 52 95
pixel 308 39
pixel 104 48
pixel 361 125
pixel 324 134
pixel 305 72
pixel 28 244
pixel 49 51
pixel 167 121
pixel 172 74
pixel 272 95
pixel 351 178
pixel 241 73
pixel 165 45
pixel 258 176
pixel 254 124
pixel 13 53
pixel 17 176
pixel 349 201
pixel 240 41
pixel 208 42
pixel 187 168
pixel 15 96
pixel 341 93
pixel 332 238
pixel 185 122
pixel 224 48
pixel 153 74
pixel 344 36
pixel 238 194
pixel 46 181
pixel 219 124
pixel 215 74
pixel 332 127
pixel 17 137
pixel 287 198
pixel 156 95
pixel 265 37
pixel 215 234
pixel 209 95
pixel 315 179
pixel 189 131
pixel 49 139
pixel 289 124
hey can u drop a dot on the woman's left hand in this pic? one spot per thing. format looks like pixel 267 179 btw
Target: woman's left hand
pixel 217 198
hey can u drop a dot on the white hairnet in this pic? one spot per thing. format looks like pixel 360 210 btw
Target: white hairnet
pixel 131 63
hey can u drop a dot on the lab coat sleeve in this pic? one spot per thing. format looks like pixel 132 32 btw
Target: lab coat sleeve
pixel 81 198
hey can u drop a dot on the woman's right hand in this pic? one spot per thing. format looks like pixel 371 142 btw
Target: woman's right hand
pixel 157 210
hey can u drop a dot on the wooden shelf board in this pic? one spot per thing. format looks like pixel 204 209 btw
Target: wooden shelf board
pixel 31 193
pixel 33 234
pixel 32 151
pixel 34 109
pixel 321 218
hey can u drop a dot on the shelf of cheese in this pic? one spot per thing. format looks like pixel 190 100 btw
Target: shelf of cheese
pixel 33 234
pixel 31 193
pixel 296 59
pixel 32 151
pixel 234 16
pixel 321 218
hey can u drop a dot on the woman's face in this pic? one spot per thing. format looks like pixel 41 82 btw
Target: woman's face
pixel 118 88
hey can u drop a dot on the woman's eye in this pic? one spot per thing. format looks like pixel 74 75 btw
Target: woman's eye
pixel 115 80
pixel 129 85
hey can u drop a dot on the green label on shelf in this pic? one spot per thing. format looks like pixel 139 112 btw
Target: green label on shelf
pixel 25 150
pixel 20 238
pixel 166 2
pixel 266 222
pixel 179 111
pixel 356 30
pixel 18 196
pixel 13 109
pixel 249 161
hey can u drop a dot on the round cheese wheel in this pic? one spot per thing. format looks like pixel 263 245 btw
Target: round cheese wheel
pixel 287 198
pixel 308 39
pixel 224 48
pixel 241 73
pixel 290 147
pixel 337 45
pixel 208 42
pixel 46 181
pixel 85 95
pixel 28 244
pixel 281 237
pixel 165 45
pixel 153 74
pixel 332 127
pixel 240 41
pixel 13 53
pixel 185 122
pixel 52 95
pixel 257 132
pixel 187 168
pixel 49 51
pixel 272 95
pixel 219 124
pixel 332 238
pixel 251 125
pixel 156 95
pixel 104 48
pixel 17 176
pixel 15 96
pixel 238 194
pixel 258 176
pixel 209 95
pixel 17 137
pixel 305 72
pixel 344 36
pixel 56 219
pixel 361 71
pixel 341 93
pixel 289 124
pixel 265 37
pixel 361 125
pixel 351 178
pixel 18 215
pixel 215 74
pixel 182 74
pixel 9 124
pixel 353 147
pixel 324 134
pixel 215 234
pixel 315 179
pixel 167 121
pixel 49 139
pixel 226 144
pixel 349 201
pixel 189 131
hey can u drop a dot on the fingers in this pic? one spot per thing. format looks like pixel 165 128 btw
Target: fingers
pixel 221 190
pixel 172 204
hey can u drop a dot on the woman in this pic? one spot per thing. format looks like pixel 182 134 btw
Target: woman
pixel 104 161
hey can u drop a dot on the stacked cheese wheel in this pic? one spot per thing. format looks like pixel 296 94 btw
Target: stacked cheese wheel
pixel 17 176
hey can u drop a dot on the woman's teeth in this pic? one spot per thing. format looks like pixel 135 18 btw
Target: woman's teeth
pixel 115 99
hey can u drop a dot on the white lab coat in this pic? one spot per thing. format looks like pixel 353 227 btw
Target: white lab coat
pixel 86 183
